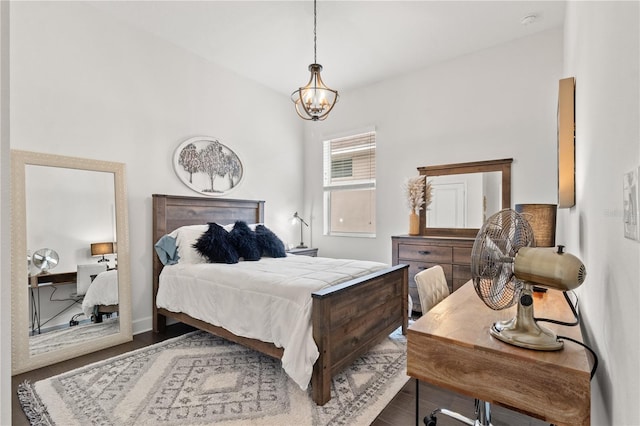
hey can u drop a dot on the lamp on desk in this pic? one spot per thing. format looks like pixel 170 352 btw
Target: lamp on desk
pixel 542 218
pixel 295 218
pixel 100 249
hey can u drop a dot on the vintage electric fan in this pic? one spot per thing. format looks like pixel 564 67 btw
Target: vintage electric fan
pixel 45 259
pixel 505 265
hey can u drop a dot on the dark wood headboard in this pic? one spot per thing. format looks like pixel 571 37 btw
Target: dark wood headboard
pixel 173 211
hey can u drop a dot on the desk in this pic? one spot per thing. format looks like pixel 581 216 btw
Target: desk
pixel 46 280
pixel 451 347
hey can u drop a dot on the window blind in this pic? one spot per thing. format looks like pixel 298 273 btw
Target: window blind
pixel 350 160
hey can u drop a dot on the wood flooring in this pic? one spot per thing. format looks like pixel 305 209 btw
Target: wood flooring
pixel 399 412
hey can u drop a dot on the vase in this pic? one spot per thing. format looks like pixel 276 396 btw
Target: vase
pixel 414 224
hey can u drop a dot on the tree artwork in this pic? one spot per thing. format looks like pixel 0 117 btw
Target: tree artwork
pixel 189 160
pixel 234 169
pixel 199 162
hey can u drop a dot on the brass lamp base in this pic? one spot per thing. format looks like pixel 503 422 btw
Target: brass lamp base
pixel 523 330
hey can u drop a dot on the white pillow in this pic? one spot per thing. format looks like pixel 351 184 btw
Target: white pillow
pixel 186 237
pixel 251 226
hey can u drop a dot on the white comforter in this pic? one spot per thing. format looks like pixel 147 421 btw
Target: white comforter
pixel 102 291
pixel 268 300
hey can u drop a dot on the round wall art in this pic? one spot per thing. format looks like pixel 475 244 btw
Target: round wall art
pixel 207 166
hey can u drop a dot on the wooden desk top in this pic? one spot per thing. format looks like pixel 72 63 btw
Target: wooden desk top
pixel 451 347
pixel 48 278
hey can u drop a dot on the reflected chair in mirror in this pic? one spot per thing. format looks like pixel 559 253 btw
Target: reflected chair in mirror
pixel 433 289
pixel 85 276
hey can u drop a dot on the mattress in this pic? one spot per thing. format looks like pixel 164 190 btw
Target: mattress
pixel 268 300
pixel 102 291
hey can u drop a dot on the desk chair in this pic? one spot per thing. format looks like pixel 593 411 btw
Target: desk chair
pixel 432 289
pixel 85 276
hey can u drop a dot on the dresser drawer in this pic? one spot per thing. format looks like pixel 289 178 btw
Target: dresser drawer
pixel 462 255
pixel 425 253
pixel 461 274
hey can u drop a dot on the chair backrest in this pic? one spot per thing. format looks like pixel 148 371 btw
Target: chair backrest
pixel 86 274
pixel 432 287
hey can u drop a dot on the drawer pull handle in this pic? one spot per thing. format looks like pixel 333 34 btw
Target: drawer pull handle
pixel 425 252
pixel 422 267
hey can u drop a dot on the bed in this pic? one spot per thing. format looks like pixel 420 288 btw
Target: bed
pixel 340 330
pixel 101 296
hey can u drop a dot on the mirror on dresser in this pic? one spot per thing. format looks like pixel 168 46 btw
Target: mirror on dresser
pixel 70 290
pixel 463 196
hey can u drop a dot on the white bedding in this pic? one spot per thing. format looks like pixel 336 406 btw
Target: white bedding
pixel 268 300
pixel 102 291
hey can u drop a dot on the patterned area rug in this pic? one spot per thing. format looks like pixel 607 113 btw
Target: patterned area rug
pixel 58 339
pixel 200 379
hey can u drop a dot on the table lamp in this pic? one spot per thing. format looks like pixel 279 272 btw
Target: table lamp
pixel 295 218
pixel 542 218
pixel 100 249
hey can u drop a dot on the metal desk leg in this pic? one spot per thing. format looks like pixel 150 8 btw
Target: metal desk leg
pixel 35 311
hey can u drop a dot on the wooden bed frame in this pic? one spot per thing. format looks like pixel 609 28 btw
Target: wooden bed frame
pixel 348 319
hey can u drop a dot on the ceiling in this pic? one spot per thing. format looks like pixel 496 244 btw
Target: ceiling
pixel 358 42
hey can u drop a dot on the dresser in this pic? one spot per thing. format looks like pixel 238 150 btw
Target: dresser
pixel 422 252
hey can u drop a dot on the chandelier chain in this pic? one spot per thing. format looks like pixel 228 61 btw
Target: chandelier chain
pixel 315 37
pixel 315 100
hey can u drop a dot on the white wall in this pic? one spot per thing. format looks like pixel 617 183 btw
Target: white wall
pixel 602 52
pixel 86 85
pixel 493 104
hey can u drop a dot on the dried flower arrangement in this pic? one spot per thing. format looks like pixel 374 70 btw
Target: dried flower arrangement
pixel 417 194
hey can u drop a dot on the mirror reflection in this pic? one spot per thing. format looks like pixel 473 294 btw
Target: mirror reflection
pixel 70 271
pixel 71 256
pixel 464 200
pixel 464 195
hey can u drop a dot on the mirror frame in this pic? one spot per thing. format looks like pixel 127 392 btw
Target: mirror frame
pixel 503 165
pixel 21 358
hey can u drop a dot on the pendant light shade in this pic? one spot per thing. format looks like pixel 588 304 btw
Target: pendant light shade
pixel 315 100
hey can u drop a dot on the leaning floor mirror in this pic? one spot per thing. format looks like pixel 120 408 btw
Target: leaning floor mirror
pixel 70 272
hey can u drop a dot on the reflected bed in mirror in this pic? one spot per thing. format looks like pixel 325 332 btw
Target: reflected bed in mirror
pixel 464 195
pixel 65 204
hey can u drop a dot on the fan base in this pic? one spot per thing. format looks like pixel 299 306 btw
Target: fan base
pixel 529 335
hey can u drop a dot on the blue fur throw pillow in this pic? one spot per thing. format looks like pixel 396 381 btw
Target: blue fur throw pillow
pixel 215 244
pixel 269 243
pixel 244 240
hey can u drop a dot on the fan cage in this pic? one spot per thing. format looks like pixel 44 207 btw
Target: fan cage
pixel 492 257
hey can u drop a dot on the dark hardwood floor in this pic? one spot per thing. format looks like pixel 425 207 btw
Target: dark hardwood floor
pixel 399 412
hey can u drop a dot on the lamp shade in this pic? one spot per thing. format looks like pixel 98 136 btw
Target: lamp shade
pixel 100 249
pixel 542 218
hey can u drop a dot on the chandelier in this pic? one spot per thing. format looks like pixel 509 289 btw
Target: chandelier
pixel 315 100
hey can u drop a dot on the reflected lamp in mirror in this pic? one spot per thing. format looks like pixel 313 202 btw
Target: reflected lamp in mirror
pixel 101 249
pixel 542 218
pixel 297 219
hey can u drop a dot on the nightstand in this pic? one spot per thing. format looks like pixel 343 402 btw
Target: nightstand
pixel 313 252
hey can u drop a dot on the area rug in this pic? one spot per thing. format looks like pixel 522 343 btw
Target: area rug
pixel 59 339
pixel 200 379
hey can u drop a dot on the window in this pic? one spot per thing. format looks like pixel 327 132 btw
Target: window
pixel 350 185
